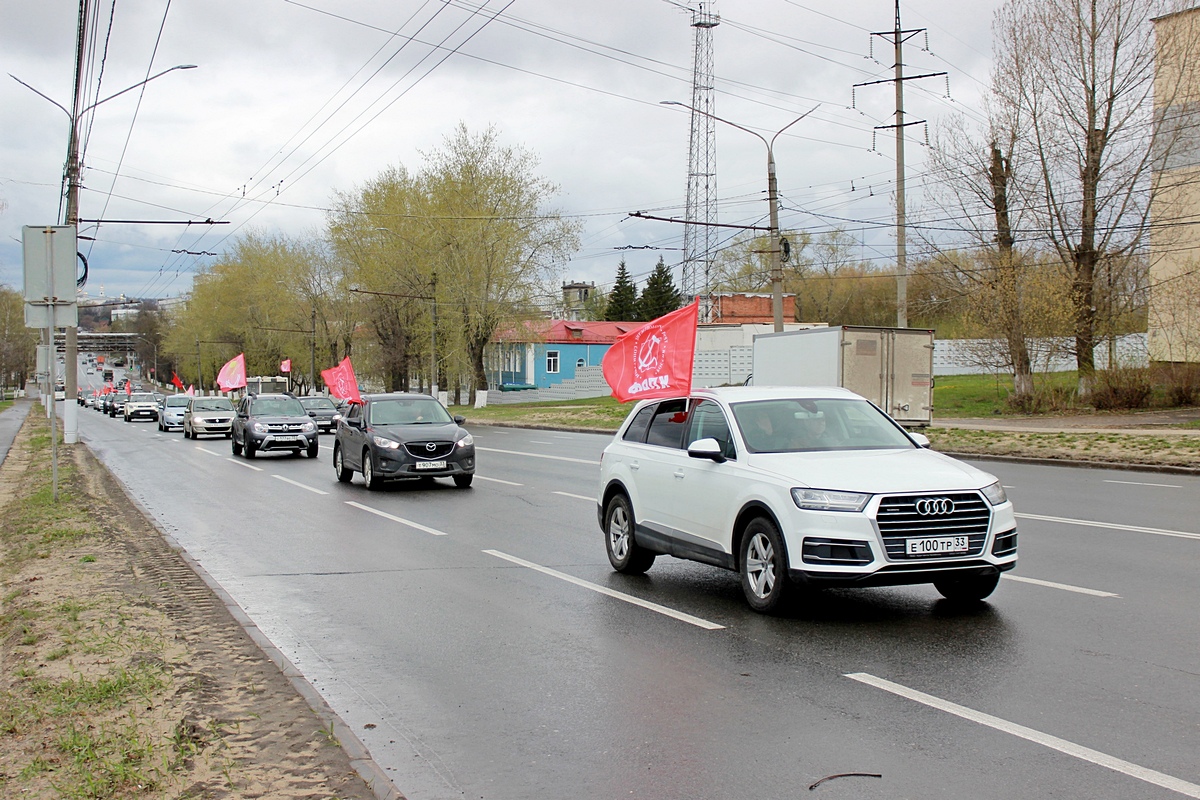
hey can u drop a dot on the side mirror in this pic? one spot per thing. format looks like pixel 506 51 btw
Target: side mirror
pixel 707 448
pixel 459 419
pixel 312 413
pixel 921 439
pixel 337 417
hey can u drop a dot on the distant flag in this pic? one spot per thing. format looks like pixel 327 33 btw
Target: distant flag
pixel 128 388
pixel 176 382
pixel 342 382
pixel 191 390
pixel 233 374
pixel 285 365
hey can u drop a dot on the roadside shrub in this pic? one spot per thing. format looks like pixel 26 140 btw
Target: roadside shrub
pixel 1043 399
pixel 1179 383
pixel 1122 388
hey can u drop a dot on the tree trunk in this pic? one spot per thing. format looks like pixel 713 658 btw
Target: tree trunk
pixel 1010 278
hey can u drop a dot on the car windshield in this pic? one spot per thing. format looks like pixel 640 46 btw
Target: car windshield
pixel 792 425
pixel 408 411
pixel 277 407
pixel 317 402
pixel 212 404
pixel 141 398
pixel 178 401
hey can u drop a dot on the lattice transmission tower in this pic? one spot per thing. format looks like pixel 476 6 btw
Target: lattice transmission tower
pixel 699 232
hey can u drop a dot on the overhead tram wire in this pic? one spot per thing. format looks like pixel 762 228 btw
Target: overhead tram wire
pixel 266 164
pixel 133 120
pixel 447 55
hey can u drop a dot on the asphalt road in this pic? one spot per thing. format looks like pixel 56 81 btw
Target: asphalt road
pixel 467 637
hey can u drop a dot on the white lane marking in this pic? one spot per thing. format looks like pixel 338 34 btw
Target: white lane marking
pixel 1112 526
pixel 210 452
pixel 1006 486
pixel 324 447
pixel 637 601
pixel 297 483
pixel 1029 734
pixel 577 496
pixel 496 480
pixel 538 455
pixel 535 441
pixel 244 464
pixel 1064 586
pixel 1139 483
pixel 393 518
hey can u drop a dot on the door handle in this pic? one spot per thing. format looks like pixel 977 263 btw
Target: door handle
pixel 679 474
pixel 634 465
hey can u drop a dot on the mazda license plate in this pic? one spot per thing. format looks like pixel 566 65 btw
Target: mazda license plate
pixel 431 465
pixel 937 545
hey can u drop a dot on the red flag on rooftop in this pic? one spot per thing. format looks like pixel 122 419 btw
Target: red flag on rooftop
pixel 656 359
pixel 342 381
pixel 233 374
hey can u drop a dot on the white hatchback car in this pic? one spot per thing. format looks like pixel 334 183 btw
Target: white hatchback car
pixel 794 486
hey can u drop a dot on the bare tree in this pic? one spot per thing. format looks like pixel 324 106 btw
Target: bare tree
pixel 1079 76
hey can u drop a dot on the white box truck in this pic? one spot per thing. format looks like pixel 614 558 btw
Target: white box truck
pixel 891 367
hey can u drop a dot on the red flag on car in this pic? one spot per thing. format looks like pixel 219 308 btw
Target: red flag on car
pixel 656 359
pixel 176 382
pixel 128 388
pixel 342 382
pixel 191 390
pixel 285 365
pixel 233 374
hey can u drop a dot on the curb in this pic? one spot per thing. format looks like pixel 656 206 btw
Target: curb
pixel 360 758
pixel 1067 462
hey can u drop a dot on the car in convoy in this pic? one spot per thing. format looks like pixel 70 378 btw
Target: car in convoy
pixel 141 405
pixel 402 436
pixel 267 422
pixel 171 411
pixel 208 416
pixel 796 487
pixel 60 391
pixel 323 412
pixel 116 404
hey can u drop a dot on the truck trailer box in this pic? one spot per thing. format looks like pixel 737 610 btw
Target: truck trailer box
pixel 891 367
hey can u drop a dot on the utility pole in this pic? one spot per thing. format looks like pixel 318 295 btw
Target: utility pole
pixel 898 36
pixel 71 349
pixel 312 354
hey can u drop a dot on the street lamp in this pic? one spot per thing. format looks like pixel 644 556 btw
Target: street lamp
pixel 70 418
pixel 772 200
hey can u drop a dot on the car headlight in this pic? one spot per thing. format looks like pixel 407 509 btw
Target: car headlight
pixel 466 441
pixel 825 500
pixel 387 444
pixel 259 427
pixel 308 427
pixel 995 494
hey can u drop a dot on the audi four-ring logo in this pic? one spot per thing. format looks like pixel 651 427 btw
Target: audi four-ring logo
pixel 431 446
pixel 935 506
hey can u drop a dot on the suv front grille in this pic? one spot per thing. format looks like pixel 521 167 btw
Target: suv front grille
pixel 901 518
pixel 283 427
pixel 423 449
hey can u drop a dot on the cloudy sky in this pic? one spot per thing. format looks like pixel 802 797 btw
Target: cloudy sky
pixel 293 100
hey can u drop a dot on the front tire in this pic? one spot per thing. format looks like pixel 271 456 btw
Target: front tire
pixel 250 448
pixel 368 471
pixel 237 448
pixel 314 450
pixel 463 481
pixel 969 589
pixel 625 555
pixel 763 567
pixel 343 475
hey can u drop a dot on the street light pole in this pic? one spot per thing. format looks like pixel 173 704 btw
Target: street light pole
pixel 71 354
pixel 772 200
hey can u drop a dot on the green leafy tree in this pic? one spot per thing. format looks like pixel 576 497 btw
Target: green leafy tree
pixel 660 295
pixel 623 299
pixel 18 344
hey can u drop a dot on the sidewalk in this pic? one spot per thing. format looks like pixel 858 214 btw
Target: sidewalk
pixel 1139 423
pixel 11 420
